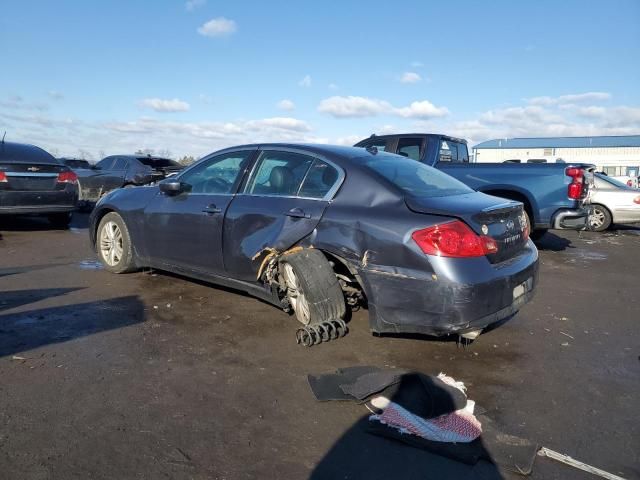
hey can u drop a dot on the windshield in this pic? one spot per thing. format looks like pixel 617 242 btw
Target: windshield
pixel 158 162
pixel 612 181
pixel 415 178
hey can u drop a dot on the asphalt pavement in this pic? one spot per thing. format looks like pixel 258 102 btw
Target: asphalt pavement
pixel 150 375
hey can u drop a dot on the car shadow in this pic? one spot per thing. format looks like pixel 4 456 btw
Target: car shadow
pixel 24 331
pixel 553 243
pixel 15 298
pixel 361 453
pixel 36 223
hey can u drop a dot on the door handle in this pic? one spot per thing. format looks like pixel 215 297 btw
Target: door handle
pixel 297 213
pixel 211 209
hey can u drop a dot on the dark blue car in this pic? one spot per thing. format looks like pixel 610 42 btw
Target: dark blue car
pixel 315 229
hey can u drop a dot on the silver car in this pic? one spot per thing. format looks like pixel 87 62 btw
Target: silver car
pixel 613 202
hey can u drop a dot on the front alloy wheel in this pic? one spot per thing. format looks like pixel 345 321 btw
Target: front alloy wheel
pixel 111 246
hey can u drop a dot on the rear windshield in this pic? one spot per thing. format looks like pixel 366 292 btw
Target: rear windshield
pixel 415 178
pixel 16 152
pixel 612 181
pixel 158 162
pixel 77 163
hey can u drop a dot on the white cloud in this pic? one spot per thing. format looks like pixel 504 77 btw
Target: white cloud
pixel 359 107
pixel 191 5
pixel 410 77
pixel 417 64
pixel 351 107
pixel 165 106
pixel 281 123
pixel 333 86
pixel 423 109
pixel 218 27
pixel 306 81
pixel 572 98
pixel 286 104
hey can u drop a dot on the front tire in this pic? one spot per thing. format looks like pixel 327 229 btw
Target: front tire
pixel 113 244
pixel 600 218
pixel 313 290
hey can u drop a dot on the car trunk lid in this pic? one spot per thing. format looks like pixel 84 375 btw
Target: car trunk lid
pixel 31 176
pixel 501 219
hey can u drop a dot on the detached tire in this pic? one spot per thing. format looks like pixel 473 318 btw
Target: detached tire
pixel 312 287
pixel 600 218
pixel 113 244
pixel 60 220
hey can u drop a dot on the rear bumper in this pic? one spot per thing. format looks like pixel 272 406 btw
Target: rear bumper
pixel 18 203
pixel 405 301
pixel 570 219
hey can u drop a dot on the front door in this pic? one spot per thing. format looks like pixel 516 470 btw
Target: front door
pixel 281 204
pixel 184 232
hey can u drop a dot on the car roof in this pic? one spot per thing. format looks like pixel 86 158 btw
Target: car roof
pixel 25 153
pixel 341 151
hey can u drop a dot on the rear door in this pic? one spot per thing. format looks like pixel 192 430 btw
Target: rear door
pixel 185 231
pixel 281 203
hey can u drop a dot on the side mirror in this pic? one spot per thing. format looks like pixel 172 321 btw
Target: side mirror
pixel 171 187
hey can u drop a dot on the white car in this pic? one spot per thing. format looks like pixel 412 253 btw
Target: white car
pixel 627 180
pixel 613 202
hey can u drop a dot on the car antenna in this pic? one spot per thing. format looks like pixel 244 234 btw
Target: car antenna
pixel 4 135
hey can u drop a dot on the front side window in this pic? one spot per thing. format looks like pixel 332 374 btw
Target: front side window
pixel 279 174
pixel 120 164
pixel 410 148
pixel 415 178
pixel 463 152
pixel 216 175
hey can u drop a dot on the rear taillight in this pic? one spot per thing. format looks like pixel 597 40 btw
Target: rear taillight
pixel 629 183
pixel 636 200
pixel 3 177
pixel 576 187
pixel 67 177
pixel 526 231
pixel 453 239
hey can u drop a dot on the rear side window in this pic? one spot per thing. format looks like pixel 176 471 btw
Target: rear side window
pixel 410 148
pixel 448 151
pixel 279 174
pixel 319 181
pixel 105 163
pixel 415 178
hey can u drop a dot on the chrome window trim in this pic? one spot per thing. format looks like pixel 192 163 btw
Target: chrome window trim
pixel 327 197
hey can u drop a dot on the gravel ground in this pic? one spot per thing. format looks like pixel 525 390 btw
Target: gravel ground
pixel 151 375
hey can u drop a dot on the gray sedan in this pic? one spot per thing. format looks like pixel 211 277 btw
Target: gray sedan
pixel 613 202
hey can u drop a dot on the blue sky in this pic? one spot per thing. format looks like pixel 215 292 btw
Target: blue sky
pixel 190 77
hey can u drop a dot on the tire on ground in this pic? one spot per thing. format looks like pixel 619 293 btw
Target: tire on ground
pixel 319 284
pixel 126 263
pixel 606 220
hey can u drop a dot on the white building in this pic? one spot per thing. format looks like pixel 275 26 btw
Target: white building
pixel 619 155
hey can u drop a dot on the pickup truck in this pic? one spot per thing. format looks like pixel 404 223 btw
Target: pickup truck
pixel 554 194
